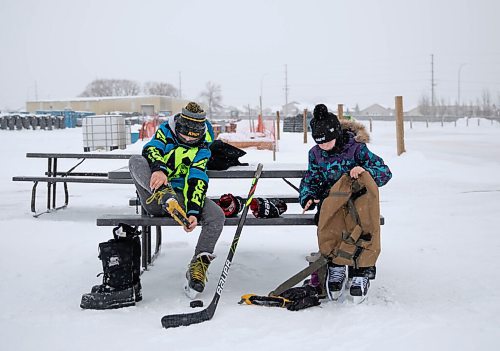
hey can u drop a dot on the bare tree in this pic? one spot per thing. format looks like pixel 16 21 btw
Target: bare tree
pixel 212 97
pixel 441 108
pixel 356 109
pixel 111 87
pixel 128 88
pixel 424 105
pixel 487 111
pixel 160 88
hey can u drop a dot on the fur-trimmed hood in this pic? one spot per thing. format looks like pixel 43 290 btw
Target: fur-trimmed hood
pixel 359 130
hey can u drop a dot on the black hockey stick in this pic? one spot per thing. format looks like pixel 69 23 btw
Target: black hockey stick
pixel 185 319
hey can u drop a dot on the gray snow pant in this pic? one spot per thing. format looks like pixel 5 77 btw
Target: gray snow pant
pixel 212 216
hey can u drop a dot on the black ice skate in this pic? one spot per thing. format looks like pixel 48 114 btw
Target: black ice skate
pixel 359 288
pixel 197 274
pixel 166 197
pixel 336 281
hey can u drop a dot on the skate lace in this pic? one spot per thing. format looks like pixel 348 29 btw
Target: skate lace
pixel 359 281
pixel 198 270
pixel 158 196
pixel 336 274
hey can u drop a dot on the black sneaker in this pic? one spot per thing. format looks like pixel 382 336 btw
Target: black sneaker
pixel 196 274
pixel 336 281
pixel 359 288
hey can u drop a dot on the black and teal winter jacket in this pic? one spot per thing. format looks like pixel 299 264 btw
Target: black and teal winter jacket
pixel 184 165
pixel 326 167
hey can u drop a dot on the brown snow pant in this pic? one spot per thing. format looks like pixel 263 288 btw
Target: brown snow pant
pixel 349 222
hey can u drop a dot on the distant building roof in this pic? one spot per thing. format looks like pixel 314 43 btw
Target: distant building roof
pixel 375 110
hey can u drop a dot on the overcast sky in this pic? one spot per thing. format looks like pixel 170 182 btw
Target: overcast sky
pixel 352 51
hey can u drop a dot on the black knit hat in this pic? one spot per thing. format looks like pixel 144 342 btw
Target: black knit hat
pixel 325 126
pixel 191 121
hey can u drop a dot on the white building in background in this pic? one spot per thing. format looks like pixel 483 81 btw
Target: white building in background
pixel 144 105
pixel 375 110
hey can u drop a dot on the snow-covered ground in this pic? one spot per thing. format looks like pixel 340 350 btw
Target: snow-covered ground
pixel 437 286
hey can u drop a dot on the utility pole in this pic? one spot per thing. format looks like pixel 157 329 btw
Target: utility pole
pixel 180 85
pixel 459 81
pixel 432 84
pixel 285 112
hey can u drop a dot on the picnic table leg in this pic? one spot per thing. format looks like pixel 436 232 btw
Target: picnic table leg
pixel 158 240
pixel 49 184
pixel 54 174
pixel 66 194
pixel 157 244
pixel 144 248
pixel 146 243
pixel 149 246
pixel 33 197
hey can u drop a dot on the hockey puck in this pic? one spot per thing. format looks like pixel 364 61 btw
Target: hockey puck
pixel 196 303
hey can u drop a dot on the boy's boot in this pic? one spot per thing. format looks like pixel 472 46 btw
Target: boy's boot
pixel 196 274
pixel 136 268
pixel 336 281
pixel 121 287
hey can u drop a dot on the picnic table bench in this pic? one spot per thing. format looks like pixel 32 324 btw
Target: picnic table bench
pixel 270 171
pixel 53 176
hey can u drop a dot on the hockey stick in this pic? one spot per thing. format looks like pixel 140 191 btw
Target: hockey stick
pixel 185 319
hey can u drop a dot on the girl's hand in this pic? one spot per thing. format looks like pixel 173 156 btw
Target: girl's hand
pixel 308 204
pixel 356 171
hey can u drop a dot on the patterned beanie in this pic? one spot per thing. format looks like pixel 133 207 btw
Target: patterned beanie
pixel 325 126
pixel 191 121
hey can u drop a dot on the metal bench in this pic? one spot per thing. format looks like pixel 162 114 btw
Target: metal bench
pixel 53 176
pixel 146 222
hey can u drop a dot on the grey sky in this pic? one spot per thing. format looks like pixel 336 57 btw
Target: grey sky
pixel 347 52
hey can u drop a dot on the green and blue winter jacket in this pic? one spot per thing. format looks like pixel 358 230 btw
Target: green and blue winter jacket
pixel 184 165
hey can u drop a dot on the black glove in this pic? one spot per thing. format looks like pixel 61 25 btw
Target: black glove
pixel 306 302
pixel 301 297
pixel 230 204
pixel 298 293
pixel 267 208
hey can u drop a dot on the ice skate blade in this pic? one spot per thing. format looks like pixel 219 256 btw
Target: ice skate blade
pixel 191 293
pixel 337 296
pixel 358 299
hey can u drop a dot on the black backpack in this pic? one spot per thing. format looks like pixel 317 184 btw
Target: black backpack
pixel 224 156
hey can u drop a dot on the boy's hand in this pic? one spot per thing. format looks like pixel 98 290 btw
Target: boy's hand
pixel 356 171
pixel 308 204
pixel 192 226
pixel 158 178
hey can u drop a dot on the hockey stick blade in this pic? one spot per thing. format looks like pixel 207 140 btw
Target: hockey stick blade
pixel 185 319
